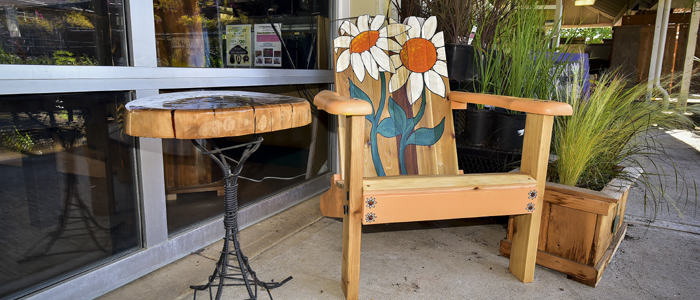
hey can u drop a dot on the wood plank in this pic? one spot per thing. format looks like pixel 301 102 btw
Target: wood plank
pixel 149 124
pixel 342 146
pixel 618 186
pixel 544 226
pixel 436 204
pixel 439 158
pixel 235 122
pixel 332 200
pixel 562 195
pixel 626 49
pixel 205 114
pixel 534 106
pixel 264 118
pixel 603 234
pixel 389 184
pixel 623 207
pixel 352 221
pixel 669 50
pixel 526 228
pixel 571 242
pixel 681 49
pixel 650 19
pixel 580 192
pixel 301 114
pixel 609 253
pixel 646 40
pixel 554 262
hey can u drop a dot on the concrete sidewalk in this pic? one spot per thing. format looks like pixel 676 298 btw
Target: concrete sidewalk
pixel 457 259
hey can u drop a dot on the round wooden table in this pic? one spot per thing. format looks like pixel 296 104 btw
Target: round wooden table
pixel 214 114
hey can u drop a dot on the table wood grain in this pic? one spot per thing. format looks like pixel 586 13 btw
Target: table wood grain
pixel 212 114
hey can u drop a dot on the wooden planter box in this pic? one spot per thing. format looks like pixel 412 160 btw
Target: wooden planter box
pixel 581 228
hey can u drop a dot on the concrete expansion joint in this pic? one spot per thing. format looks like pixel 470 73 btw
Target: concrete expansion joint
pixel 662 224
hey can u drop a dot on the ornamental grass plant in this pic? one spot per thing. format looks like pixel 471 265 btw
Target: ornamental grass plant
pixel 518 59
pixel 612 126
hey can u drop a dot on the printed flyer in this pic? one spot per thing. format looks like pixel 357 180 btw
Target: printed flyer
pixel 268 48
pixel 238 46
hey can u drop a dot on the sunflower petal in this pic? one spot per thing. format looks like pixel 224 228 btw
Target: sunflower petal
pixel 429 27
pixel 396 61
pixel 381 58
pixel 438 40
pixel 434 82
pixel 395 29
pixel 372 68
pixel 363 23
pixel 414 31
pixel 377 22
pixel 357 66
pixel 401 38
pixel 343 61
pixel 398 79
pixel 350 28
pixel 415 87
pixel 342 41
pixel 441 55
pixel 440 67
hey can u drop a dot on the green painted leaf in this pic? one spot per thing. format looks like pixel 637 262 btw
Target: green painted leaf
pixel 398 114
pixel 387 128
pixel 356 92
pixel 427 136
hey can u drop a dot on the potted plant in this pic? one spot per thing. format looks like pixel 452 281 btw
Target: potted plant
pixel 599 150
pixel 519 62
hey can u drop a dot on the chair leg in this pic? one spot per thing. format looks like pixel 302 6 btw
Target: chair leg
pixel 522 264
pixel 526 228
pixel 352 240
pixel 352 218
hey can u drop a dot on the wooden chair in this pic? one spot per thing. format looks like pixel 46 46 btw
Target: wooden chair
pixel 397 143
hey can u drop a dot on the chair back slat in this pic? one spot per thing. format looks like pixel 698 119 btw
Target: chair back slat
pixel 408 133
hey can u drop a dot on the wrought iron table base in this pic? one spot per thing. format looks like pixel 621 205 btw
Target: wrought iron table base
pixel 232 265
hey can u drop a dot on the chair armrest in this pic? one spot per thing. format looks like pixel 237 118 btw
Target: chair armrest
pixel 540 107
pixel 333 103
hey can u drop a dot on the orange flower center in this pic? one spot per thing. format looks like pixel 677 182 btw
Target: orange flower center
pixel 418 55
pixel 363 41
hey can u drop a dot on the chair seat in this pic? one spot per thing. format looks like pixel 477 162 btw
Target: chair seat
pixel 392 199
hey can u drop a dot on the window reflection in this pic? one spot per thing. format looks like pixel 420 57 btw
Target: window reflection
pixel 67 197
pixel 63 32
pixel 224 33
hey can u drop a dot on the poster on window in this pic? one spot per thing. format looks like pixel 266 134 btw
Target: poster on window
pixel 238 46
pixel 268 48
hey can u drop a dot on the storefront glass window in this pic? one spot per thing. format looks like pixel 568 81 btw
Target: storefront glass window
pixel 242 34
pixel 68 194
pixel 60 32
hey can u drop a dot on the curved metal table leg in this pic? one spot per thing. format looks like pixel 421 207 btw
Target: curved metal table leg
pixel 232 266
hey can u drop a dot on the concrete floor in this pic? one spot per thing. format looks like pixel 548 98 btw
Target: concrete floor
pixel 458 259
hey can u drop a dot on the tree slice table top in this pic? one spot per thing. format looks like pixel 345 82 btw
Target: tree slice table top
pixel 199 115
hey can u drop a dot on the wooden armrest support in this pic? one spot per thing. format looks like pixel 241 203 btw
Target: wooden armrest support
pixel 540 107
pixel 336 104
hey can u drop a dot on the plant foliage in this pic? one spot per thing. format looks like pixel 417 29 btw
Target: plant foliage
pixel 520 61
pixel 611 126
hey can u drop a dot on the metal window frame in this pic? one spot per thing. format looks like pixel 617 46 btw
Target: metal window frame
pixel 144 78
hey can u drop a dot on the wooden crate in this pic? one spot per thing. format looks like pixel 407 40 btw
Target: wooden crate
pixel 581 229
pixel 188 170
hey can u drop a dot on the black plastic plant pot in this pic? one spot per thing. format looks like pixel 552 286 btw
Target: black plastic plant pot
pixel 479 126
pixel 508 131
pixel 460 62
